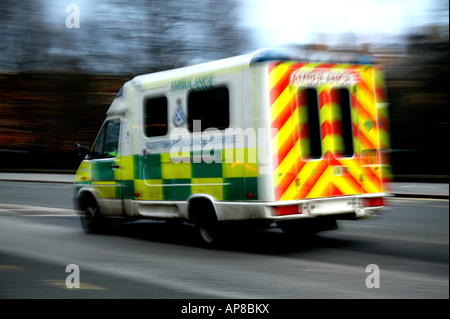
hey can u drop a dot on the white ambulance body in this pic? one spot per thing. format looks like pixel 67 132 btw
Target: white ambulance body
pixel 292 141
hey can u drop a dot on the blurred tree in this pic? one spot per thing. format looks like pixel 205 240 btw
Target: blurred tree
pixel 119 36
pixel 56 83
pixel 418 93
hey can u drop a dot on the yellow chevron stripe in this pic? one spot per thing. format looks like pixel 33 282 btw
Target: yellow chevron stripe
pixel 324 111
pixel 310 67
pixel 370 187
pixel 369 173
pixel 281 102
pixel 339 68
pixel 367 77
pixel 302 111
pixel 353 167
pixel 277 73
pixel 345 187
pixel 321 184
pixel 285 132
pixel 338 143
pixel 307 170
pixel 384 139
pixel 378 78
pixel 370 135
pixel 335 112
pixel 326 142
pixel 290 193
pixel 366 100
pixel 284 166
pixel 376 170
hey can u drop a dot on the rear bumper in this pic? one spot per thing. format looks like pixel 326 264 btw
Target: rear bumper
pixel 354 206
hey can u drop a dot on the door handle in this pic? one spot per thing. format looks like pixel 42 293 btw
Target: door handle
pixel 115 166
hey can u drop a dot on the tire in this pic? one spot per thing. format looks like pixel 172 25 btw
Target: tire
pixel 209 229
pixel 209 232
pixel 92 220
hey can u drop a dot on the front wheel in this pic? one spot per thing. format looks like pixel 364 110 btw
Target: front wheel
pixel 92 220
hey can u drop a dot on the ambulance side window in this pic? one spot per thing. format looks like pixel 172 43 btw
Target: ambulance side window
pixel 107 143
pixel 155 116
pixel 211 107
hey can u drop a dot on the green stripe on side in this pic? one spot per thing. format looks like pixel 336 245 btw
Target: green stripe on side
pixel 101 170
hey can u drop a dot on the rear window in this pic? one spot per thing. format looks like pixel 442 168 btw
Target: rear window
pixel 342 124
pixel 310 130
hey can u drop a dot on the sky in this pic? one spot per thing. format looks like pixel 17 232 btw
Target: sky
pixel 280 22
pixel 112 29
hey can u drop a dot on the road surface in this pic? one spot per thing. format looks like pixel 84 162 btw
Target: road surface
pixel 401 253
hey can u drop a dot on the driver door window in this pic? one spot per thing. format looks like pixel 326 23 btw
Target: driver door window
pixel 106 145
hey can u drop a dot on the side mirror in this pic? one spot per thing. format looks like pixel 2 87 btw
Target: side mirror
pixel 82 150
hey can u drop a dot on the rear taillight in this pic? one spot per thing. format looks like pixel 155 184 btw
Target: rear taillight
pixel 288 210
pixel 373 202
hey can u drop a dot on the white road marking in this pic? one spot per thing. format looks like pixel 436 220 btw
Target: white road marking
pixel 15 208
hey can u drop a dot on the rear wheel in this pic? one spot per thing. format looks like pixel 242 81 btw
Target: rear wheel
pixel 209 229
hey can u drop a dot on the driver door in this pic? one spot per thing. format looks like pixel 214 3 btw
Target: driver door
pixel 104 164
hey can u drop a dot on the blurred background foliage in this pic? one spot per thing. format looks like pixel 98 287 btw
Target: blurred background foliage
pixel 56 83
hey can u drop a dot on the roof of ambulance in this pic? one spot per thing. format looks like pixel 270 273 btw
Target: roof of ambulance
pixel 256 57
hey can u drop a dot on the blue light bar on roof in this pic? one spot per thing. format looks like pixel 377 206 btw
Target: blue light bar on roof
pixel 310 56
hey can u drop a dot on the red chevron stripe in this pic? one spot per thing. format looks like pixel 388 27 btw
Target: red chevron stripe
pixel 365 142
pixel 285 114
pixel 312 179
pixel 336 127
pixel 326 129
pixel 324 66
pixel 287 146
pixel 373 180
pixel 363 85
pixel 355 130
pixel 323 98
pixel 282 83
pixel 336 162
pixel 380 95
pixel 335 191
pixel 274 65
pixel 304 130
pixel 287 179
pixel 355 184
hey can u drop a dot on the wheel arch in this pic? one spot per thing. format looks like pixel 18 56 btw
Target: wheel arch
pixel 197 204
pixel 87 197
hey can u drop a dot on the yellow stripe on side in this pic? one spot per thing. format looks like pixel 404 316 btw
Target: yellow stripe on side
pixel 126 170
pixel 105 189
pixel 210 186
pixel 149 189
pixel 83 172
pixel 243 162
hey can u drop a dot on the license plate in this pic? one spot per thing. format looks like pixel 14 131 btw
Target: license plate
pixel 369 156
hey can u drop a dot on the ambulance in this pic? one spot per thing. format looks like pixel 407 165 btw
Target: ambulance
pixel 293 140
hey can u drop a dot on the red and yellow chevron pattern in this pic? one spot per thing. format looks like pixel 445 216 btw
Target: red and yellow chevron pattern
pixel 296 174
